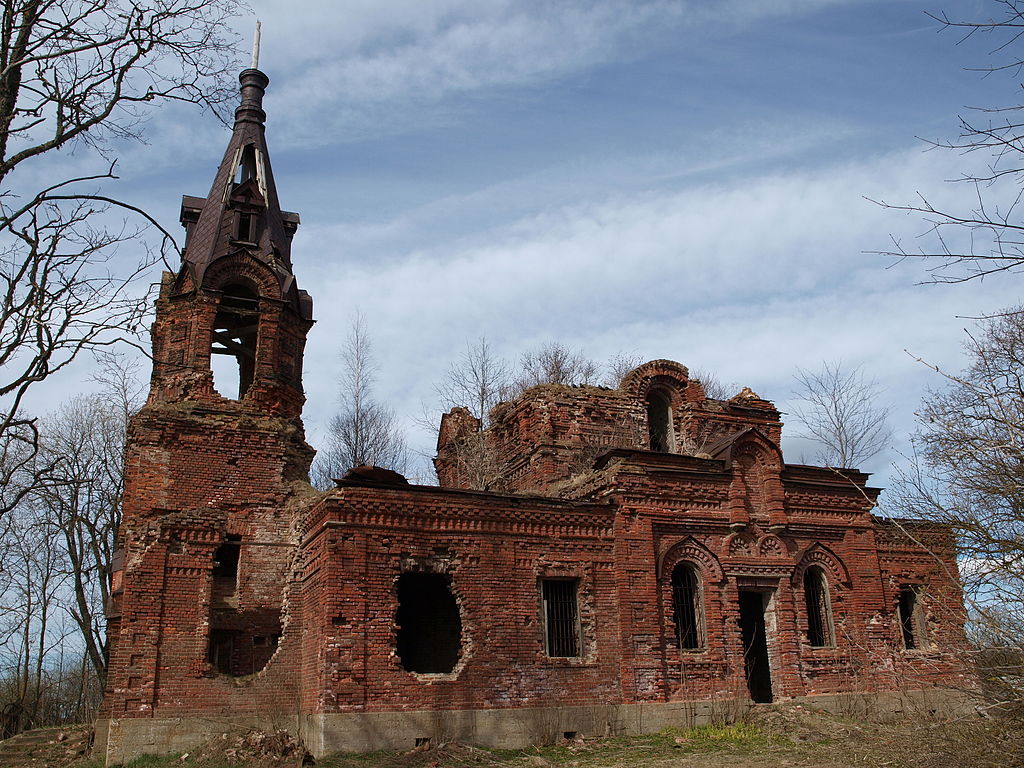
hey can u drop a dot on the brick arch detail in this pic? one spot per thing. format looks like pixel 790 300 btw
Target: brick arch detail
pixel 692 551
pixel 759 448
pixel 820 555
pixel 240 267
pixel 754 449
pixel 666 375
pixel 771 545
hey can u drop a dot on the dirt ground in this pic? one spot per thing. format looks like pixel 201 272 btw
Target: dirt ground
pixel 783 736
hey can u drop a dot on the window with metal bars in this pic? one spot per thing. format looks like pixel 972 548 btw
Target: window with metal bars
pixel 819 609
pixel 561 617
pixel 686 606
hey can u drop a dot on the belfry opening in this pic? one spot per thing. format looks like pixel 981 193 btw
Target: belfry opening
pixel 235 335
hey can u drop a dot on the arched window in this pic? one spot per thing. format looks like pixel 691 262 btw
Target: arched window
pixel 659 421
pixel 686 606
pixel 819 608
pixel 234 334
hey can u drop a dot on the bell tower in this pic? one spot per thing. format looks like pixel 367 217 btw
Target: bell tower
pixel 235 295
pixel 215 481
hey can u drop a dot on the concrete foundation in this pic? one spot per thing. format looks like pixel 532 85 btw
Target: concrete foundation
pixel 325 733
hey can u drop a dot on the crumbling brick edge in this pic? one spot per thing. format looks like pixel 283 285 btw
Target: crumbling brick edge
pixel 124 739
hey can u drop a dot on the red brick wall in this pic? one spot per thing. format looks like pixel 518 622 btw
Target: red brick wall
pixel 194 476
pixel 495 550
pixel 552 433
pixel 323 571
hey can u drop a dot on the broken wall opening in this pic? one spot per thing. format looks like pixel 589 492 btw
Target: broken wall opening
pixel 429 636
pixel 243 637
pixel 912 624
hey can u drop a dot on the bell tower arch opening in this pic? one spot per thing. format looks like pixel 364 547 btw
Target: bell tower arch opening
pixel 233 341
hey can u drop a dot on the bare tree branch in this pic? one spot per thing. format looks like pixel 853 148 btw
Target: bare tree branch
pixel 83 74
pixel 995 231
pixel 841 411
pixel 967 472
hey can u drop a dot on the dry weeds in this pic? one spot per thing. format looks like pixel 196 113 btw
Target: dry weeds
pixel 782 736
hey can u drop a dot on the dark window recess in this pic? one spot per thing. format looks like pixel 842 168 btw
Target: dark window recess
pixel 225 559
pixel 221 650
pixel 910 619
pixel 234 334
pixel 429 628
pixel 819 619
pixel 561 618
pixel 659 421
pixel 245 233
pixel 685 606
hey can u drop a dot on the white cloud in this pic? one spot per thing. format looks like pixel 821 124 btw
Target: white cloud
pixel 367 68
pixel 748 279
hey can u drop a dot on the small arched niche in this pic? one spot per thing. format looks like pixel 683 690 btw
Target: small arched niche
pixel 659 421
pixel 233 341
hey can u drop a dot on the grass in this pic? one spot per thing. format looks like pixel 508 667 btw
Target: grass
pixel 741 737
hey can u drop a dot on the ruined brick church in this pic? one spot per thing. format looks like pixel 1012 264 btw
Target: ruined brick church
pixel 651 559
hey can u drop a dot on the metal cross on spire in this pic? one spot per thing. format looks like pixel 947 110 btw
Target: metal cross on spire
pixel 256 47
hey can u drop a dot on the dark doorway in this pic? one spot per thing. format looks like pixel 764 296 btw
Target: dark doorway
pixel 755 645
pixel 429 627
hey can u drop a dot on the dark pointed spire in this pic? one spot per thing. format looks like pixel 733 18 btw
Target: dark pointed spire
pixel 241 213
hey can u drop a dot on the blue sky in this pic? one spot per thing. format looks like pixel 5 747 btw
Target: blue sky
pixel 670 179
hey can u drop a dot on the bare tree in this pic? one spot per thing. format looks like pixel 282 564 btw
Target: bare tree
pixel 841 411
pixel 363 431
pixel 968 473
pixel 714 387
pixel 996 233
pixel 618 366
pixel 84 443
pixel 30 610
pixel 57 545
pixel 472 386
pixel 556 363
pixel 477 381
pixel 82 75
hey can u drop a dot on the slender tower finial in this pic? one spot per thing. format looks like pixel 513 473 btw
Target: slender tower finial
pixel 256 47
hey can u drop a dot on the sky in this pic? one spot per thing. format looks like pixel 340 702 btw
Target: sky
pixel 658 178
